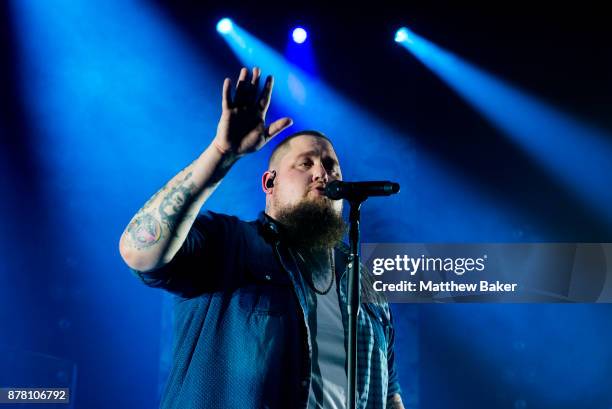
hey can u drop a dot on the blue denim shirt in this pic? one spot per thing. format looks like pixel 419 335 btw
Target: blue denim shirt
pixel 241 330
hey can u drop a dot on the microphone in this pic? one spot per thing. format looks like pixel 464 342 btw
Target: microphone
pixel 360 190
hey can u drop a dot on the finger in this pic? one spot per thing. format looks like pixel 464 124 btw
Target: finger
pixel 278 126
pixel 255 81
pixel 256 75
pixel 243 74
pixel 226 100
pixel 264 99
pixel 245 95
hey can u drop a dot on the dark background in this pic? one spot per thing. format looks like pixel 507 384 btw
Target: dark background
pixel 72 314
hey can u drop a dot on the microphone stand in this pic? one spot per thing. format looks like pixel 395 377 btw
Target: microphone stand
pixel 355 193
pixel 354 301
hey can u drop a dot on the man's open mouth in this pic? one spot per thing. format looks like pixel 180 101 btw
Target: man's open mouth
pixel 320 189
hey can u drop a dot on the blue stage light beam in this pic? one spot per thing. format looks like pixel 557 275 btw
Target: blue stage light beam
pixel 371 149
pixel 118 103
pixel 576 153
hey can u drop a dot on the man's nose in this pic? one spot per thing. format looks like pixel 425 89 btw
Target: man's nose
pixel 319 173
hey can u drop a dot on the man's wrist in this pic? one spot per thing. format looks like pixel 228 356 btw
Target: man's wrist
pixel 221 150
pixel 226 154
pixel 222 159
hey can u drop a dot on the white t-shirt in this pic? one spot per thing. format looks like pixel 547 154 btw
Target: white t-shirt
pixel 329 378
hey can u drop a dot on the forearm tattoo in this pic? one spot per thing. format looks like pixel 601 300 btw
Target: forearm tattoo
pixel 146 230
pixel 174 205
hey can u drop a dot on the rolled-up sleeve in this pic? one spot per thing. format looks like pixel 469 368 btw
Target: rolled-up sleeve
pixel 195 267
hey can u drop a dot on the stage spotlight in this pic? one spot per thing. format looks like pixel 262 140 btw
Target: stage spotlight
pixel 224 25
pixel 568 149
pixel 299 35
pixel 401 35
pixel 310 102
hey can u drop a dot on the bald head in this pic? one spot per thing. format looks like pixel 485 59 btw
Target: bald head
pixel 282 148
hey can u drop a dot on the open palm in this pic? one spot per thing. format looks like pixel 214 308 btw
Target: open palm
pixel 242 128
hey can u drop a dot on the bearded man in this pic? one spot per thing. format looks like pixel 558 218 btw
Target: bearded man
pixel 260 307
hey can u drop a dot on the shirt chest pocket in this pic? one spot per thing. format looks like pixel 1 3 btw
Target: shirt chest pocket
pixel 265 291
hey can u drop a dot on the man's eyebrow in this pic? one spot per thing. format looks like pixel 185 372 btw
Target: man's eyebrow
pixel 315 153
pixel 309 153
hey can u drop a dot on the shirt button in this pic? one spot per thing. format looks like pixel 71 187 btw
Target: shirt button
pixel 304 383
pixel 268 277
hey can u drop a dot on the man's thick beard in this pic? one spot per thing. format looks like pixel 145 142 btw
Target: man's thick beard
pixel 312 225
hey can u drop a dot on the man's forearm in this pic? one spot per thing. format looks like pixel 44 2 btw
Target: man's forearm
pixel 160 227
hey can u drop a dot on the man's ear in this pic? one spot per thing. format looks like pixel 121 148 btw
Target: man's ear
pixel 267 181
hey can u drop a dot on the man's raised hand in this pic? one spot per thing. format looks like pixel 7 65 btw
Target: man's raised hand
pixel 242 128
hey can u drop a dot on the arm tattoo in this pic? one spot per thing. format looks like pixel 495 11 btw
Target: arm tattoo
pixel 175 204
pixel 144 230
